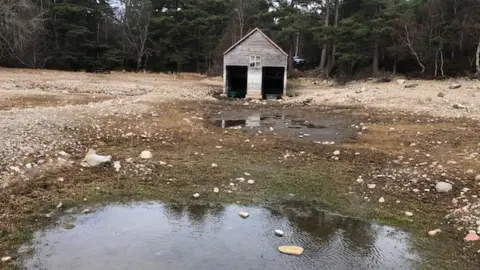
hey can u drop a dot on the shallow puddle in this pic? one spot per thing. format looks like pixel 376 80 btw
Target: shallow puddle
pixel 156 236
pixel 320 128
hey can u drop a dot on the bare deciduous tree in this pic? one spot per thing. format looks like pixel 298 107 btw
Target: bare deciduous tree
pixel 21 30
pixel 135 18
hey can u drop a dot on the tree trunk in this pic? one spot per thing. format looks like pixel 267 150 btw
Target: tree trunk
pixel 333 61
pixel 375 57
pixel 394 71
pixel 477 60
pixel 324 49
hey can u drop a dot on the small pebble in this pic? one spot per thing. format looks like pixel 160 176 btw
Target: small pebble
pixel 216 190
pixel 371 186
pixel 408 214
pixel 381 200
pixel 250 181
pixel 214 165
pixel 279 233
pixel 243 214
pixel 196 195
pixel 6 259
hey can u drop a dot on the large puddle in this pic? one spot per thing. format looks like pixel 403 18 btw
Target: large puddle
pixel 156 236
pixel 320 128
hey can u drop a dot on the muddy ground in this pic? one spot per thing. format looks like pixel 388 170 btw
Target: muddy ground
pixel 50 119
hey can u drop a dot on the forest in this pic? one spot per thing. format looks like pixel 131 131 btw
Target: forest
pixel 424 38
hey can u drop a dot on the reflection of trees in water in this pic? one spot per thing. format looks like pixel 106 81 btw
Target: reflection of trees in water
pixel 357 235
pixel 197 214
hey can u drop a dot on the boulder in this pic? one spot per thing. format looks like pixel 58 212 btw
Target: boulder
pixel 94 160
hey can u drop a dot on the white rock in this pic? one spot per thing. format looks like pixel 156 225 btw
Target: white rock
pixel 400 81
pixel 59 205
pixel 214 165
pixel 6 259
pixel 117 166
pixel 469 171
pixel 434 232
pixel 371 186
pixel 218 147
pixel 60 179
pixel 360 180
pixel 196 195
pixel 381 200
pixel 93 160
pixel 443 187
pixel 216 190
pixel 250 181
pixel 243 214
pixel 241 179
pixel 63 153
pixel 279 233
pixel 146 154
pixel 408 214
pixel 247 174
pixel 163 163
pixel 28 166
pixel 336 153
pixel 477 178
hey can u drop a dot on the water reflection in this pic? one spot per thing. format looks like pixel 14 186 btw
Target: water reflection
pixel 175 236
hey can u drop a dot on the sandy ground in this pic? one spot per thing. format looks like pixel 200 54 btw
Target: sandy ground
pixel 49 119
pixel 424 98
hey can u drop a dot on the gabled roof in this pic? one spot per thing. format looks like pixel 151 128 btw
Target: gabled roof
pixel 251 33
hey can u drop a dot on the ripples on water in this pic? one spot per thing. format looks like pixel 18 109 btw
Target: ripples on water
pixel 156 236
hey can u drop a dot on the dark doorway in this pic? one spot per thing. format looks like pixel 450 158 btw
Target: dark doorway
pixel 237 81
pixel 272 82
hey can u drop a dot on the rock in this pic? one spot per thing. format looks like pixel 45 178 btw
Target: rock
pixel 371 186
pixel 214 165
pixel 94 160
pixel 218 147
pixel 360 180
pixel 250 181
pixel 146 154
pixel 381 200
pixel 471 236
pixel 6 259
pixel 400 81
pixel 477 178
pixel 434 232
pixel 455 86
pixel 216 190
pixel 59 205
pixel 247 174
pixel 443 187
pixel 411 85
pixel 408 214
pixel 441 95
pixel 196 195
pixel 243 214
pixel 63 153
pixel 469 171
pixel 28 166
pixel 60 179
pixel 279 233
pixel 86 211
pixel 336 153
pixel 291 250
pixel 117 166
pixel 458 106
pixel 68 226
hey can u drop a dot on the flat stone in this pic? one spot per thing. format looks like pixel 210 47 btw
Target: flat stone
pixel 443 187
pixel 214 165
pixel 146 154
pixel 279 233
pixel 400 81
pixel 371 186
pixel 291 250
pixel 408 214
pixel 243 214
pixel 250 181
pixel 469 171
pixel 196 195
pixel 6 259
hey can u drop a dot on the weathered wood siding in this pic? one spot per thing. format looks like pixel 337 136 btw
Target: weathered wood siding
pixel 256 44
